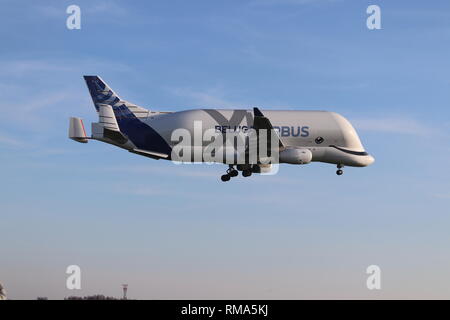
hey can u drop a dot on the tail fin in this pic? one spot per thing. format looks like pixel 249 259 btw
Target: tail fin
pixel 100 92
pixel 120 120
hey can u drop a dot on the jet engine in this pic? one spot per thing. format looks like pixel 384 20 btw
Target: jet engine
pixel 296 156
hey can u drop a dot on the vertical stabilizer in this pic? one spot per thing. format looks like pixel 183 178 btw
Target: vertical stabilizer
pixel 101 93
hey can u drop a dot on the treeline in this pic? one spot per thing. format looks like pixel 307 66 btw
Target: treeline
pixel 93 297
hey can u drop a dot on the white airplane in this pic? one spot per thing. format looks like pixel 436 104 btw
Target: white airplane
pixel 301 136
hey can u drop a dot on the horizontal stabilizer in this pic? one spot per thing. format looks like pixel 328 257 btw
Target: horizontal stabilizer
pixel 77 131
pixel 107 118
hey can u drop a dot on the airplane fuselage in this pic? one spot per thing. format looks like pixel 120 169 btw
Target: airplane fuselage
pixel 329 136
pixel 300 136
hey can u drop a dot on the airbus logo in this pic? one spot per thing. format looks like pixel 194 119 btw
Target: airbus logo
pixel 284 131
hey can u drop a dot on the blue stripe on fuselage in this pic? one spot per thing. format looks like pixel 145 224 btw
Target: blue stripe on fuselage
pixel 142 135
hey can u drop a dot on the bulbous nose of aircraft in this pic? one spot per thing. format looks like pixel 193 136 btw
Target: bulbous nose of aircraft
pixel 367 160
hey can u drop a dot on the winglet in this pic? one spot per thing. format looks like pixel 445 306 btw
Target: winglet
pixel 100 91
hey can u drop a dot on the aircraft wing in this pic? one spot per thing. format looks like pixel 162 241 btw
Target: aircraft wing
pixel 261 122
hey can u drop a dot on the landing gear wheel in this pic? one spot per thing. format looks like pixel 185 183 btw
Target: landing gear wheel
pixel 246 173
pixel 225 177
pixel 233 173
pixel 339 172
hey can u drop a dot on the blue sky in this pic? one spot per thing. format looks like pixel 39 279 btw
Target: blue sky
pixel 177 231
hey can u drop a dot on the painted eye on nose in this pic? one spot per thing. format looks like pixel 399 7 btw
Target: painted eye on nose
pixel 319 140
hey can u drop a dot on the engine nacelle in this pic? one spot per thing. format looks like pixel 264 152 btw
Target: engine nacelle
pixel 296 156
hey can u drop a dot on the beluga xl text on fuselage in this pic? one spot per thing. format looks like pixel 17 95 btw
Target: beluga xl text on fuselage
pixel 251 141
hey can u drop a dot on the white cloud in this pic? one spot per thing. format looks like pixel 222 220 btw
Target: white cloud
pixel 23 67
pixel 10 141
pixel 29 112
pixel 27 67
pixel 30 107
pixel 38 103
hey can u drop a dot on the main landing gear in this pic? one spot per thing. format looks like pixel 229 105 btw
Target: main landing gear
pixel 231 172
pixel 246 173
pixel 339 172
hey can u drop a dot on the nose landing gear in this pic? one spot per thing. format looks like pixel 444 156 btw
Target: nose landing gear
pixel 339 172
